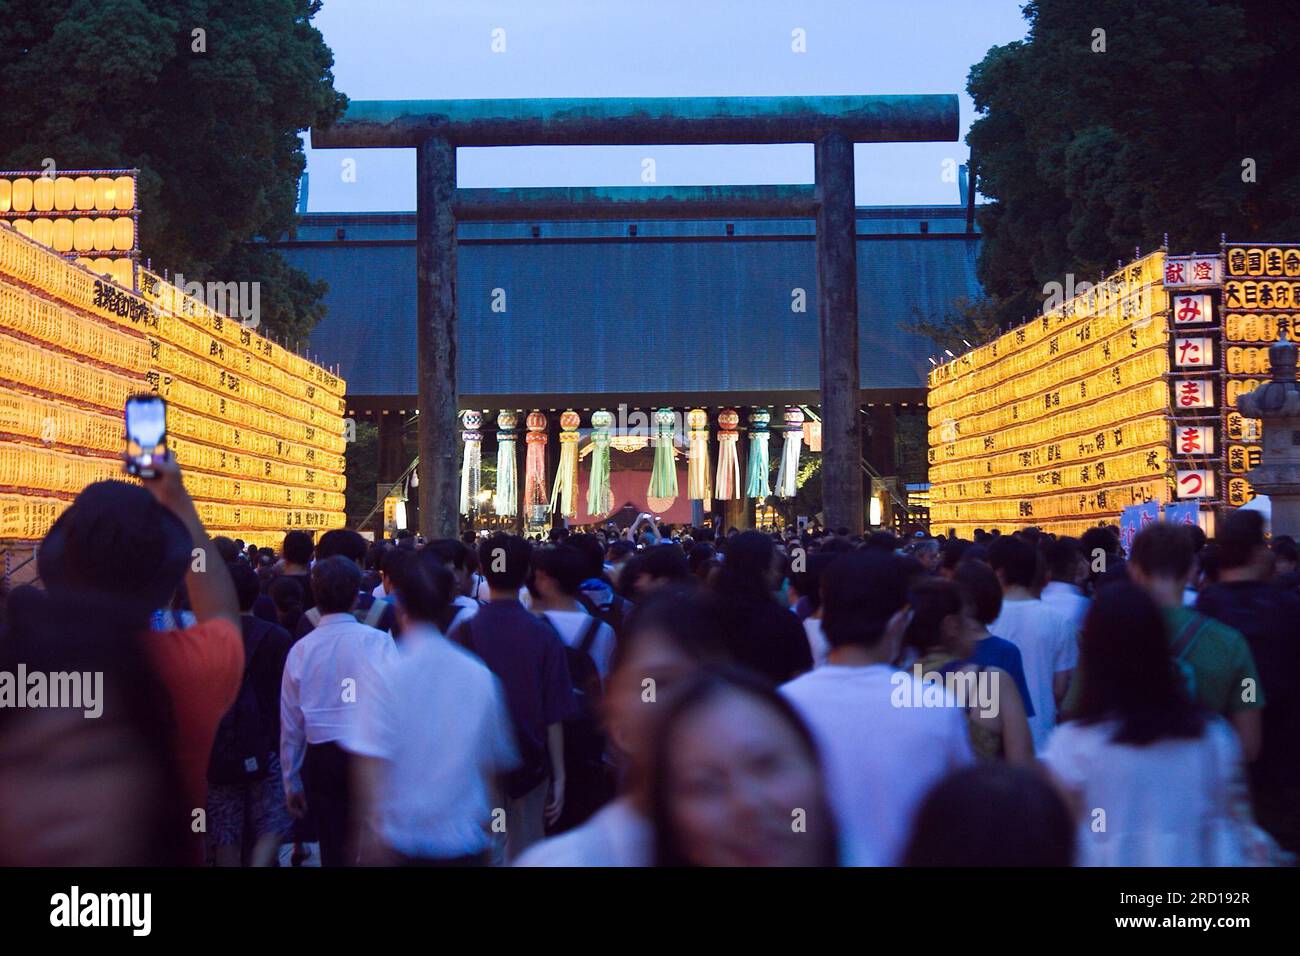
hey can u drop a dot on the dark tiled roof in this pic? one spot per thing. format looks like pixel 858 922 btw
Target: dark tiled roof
pixel 681 307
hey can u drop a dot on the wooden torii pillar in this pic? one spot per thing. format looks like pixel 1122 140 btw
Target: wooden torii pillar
pixel 833 124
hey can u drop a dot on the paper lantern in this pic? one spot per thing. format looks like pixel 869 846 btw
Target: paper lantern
pixel 812 434
pixel 43 194
pixel 6 195
pixel 85 192
pixel 65 194
pixel 83 234
pixel 123 233
pixel 23 227
pixel 600 499
pixel 125 192
pixel 43 231
pixel 22 194
pixel 105 194
pixel 62 239
pixel 505 500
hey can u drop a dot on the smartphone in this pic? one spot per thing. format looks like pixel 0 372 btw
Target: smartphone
pixel 146 434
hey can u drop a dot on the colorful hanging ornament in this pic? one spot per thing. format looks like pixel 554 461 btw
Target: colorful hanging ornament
pixel 663 476
pixel 471 470
pixel 535 468
pixel 698 479
pixel 788 473
pixel 564 496
pixel 600 500
pixel 757 485
pixel 507 496
pixel 728 483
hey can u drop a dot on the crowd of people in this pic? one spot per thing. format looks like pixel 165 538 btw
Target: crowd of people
pixel 657 696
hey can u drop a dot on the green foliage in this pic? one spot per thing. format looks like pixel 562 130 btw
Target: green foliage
pixel 123 84
pixel 1087 155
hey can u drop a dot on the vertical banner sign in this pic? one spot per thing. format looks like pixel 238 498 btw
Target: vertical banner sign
pixel 1134 518
pixel 1181 512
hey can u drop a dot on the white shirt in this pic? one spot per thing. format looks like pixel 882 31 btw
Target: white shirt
pixel 616 835
pixel 327 672
pixel 1067 600
pixel 468 608
pixel 1047 646
pixel 880 758
pixel 378 592
pixel 438 719
pixel 1158 805
pixel 817 643
pixel 573 624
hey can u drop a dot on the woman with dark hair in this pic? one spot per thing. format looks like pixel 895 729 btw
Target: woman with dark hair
pixel 287 594
pixel 1149 773
pixel 943 632
pixel 666 640
pixel 736 779
pixel 763 636
pixel 992 815
pixel 95 781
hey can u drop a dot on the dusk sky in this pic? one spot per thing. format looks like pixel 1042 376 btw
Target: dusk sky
pixel 434 49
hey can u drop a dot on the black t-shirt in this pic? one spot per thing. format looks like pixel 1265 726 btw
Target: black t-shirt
pixel 765 637
pixel 1269 618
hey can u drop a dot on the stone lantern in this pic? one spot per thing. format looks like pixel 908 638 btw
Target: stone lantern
pixel 1277 405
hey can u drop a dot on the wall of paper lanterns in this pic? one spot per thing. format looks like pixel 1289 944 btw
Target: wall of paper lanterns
pixel 258 430
pixel 1059 423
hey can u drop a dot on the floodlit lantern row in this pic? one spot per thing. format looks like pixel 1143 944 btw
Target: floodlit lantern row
pixel 46 321
pixel 1098 504
pixel 105 234
pixel 192 454
pixel 1103 471
pixel 66 193
pixel 121 271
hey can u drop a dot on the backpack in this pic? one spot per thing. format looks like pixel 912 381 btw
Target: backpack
pixel 589 783
pixel 245 739
pixel 1182 646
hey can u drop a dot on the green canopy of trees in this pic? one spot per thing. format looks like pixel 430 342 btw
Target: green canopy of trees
pixel 1119 121
pixel 206 98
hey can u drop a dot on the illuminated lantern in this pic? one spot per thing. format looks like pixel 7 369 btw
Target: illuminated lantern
pixel 43 194
pixel 757 484
pixel 788 473
pixel 663 474
pixel 535 467
pixel 564 493
pixel 6 195
pixel 63 235
pixel 124 272
pixel 103 234
pixel 125 192
pixel 65 194
pixel 506 502
pixel 85 192
pixel 22 197
pixel 83 234
pixel 43 231
pixel 600 500
pixel 727 485
pixel 812 434
pixel 23 227
pixel 472 464
pixel 123 233
pixel 698 480
pixel 105 194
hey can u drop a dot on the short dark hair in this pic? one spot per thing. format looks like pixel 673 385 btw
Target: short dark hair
pixel 227 548
pixel 1284 548
pixel 860 593
pixel 297 547
pixel 563 564
pixel 1239 537
pixel 454 554
pixel 1063 556
pixel 342 541
pixel 808 582
pixel 982 585
pixel 335 582
pixel 620 548
pixel 503 559
pixel 247 586
pixel 425 586
pixel 665 561
pixel 1163 549
pixel 1016 559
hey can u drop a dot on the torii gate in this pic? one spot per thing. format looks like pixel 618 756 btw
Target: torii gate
pixel 435 128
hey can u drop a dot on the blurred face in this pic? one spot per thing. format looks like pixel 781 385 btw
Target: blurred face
pixel 742 788
pixel 641 687
pixel 73 792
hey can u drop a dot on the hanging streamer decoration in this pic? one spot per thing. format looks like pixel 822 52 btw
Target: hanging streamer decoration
pixel 600 500
pixel 788 473
pixel 564 496
pixel 471 471
pixel 507 496
pixel 757 486
pixel 663 477
pixel 535 468
pixel 728 483
pixel 698 479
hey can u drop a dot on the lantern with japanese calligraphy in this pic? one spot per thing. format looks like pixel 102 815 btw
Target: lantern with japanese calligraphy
pixel 472 464
pixel 535 467
pixel 727 486
pixel 1276 472
pixel 600 500
pixel 812 433
pixel 506 500
pixel 564 496
pixel 759 468
pixel 788 472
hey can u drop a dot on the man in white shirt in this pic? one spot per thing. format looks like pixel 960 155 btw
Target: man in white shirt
pixel 555 578
pixel 327 672
pixel 883 744
pixel 1047 641
pixel 432 739
pixel 1068 570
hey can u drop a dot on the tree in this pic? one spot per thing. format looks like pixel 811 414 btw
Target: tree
pixel 205 97
pixel 1177 119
